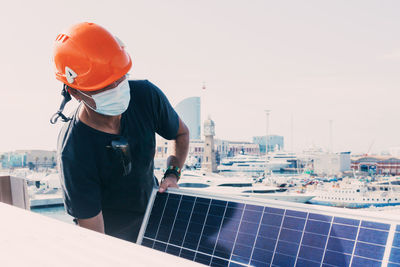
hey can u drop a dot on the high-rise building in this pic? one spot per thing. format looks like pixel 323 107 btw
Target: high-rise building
pixel 275 142
pixel 189 111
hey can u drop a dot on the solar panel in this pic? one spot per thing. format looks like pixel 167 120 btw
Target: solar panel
pixel 227 231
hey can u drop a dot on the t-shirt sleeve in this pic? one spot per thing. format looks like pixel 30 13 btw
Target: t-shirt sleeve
pixel 81 189
pixel 166 118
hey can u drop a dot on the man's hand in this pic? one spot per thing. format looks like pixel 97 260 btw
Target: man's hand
pixel 169 181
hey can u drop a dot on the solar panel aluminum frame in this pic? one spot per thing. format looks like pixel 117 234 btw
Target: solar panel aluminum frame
pixel 393 220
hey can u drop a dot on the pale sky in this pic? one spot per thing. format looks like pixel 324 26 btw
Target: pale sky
pixel 312 61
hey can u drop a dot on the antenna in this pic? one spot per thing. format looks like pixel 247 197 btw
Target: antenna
pixel 291 133
pixel 330 136
pixel 267 112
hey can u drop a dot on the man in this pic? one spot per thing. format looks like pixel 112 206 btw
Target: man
pixel 106 149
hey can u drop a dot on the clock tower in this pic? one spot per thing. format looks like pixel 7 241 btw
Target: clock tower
pixel 209 163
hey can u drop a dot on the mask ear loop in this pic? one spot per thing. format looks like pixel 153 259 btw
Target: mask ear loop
pixel 58 114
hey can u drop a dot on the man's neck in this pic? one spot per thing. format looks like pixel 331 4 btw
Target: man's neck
pixel 103 123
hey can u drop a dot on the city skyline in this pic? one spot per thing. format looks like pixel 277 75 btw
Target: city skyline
pixel 308 62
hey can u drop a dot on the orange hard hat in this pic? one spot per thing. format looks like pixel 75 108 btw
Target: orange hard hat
pixel 87 57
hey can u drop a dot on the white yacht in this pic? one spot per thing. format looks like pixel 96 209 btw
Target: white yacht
pixel 242 163
pixel 247 163
pixel 238 186
pixel 355 194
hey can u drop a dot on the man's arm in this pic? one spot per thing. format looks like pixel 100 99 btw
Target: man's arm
pixel 178 157
pixel 95 223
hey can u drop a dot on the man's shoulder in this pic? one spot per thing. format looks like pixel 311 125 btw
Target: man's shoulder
pixel 143 88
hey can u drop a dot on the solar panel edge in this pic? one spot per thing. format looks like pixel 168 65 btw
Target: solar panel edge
pixel 389 243
pixel 146 216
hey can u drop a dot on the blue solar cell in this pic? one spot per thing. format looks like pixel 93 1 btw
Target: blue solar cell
pixel 177 237
pixel 163 233
pixel 205 248
pixel 200 208
pixel 340 245
pixel 195 227
pixel 337 259
pixel 397 228
pixel 181 224
pixel 274 210
pixel 396 240
pixel 213 220
pixel 395 255
pixel 232 264
pixel 147 243
pixel 319 217
pixel 219 262
pixel 151 230
pixel 375 225
pixel 252 216
pixel 261 255
pixel 369 251
pixel 187 254
pixel 236 205
pixel 283 260
pixel 245 239
pixel 312 254
pixel 314 240
pixel 186 205
pixel 198 217
pixel 265 243
pixel 217 210
pixel 393 265
pixel 248 228
pixel 184 197
pixel 293 223
pixel 290 235
pixel 171 207
pixel 305 263
pixel 344 231
pixel 271 232
pixel 183 215
pixel 372 236
pixel 173 250
pixel 272 219
pixel 254 208
pixel 227 235
pixel 215 202
pixel 241 253
pixel 318 227
pixel 296 213
pixel 159 246
pixel 191 240
pixel 346 221
pixel 362 262
pixel 210 231
pixel 233 214
pixel 202 258
pixel 287 248
pixel 203 200
pixel 258 263
pixel 223 249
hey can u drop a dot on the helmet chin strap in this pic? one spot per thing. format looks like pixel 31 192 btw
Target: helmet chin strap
pixel 58 114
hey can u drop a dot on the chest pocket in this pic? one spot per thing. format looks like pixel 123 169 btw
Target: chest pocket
pixel 143 152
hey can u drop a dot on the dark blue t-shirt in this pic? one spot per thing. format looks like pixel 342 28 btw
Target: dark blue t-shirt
pixel 92 173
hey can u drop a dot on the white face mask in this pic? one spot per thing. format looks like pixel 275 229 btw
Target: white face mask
pixel 112 102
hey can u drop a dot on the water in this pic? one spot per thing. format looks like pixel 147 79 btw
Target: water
pixel 55 212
